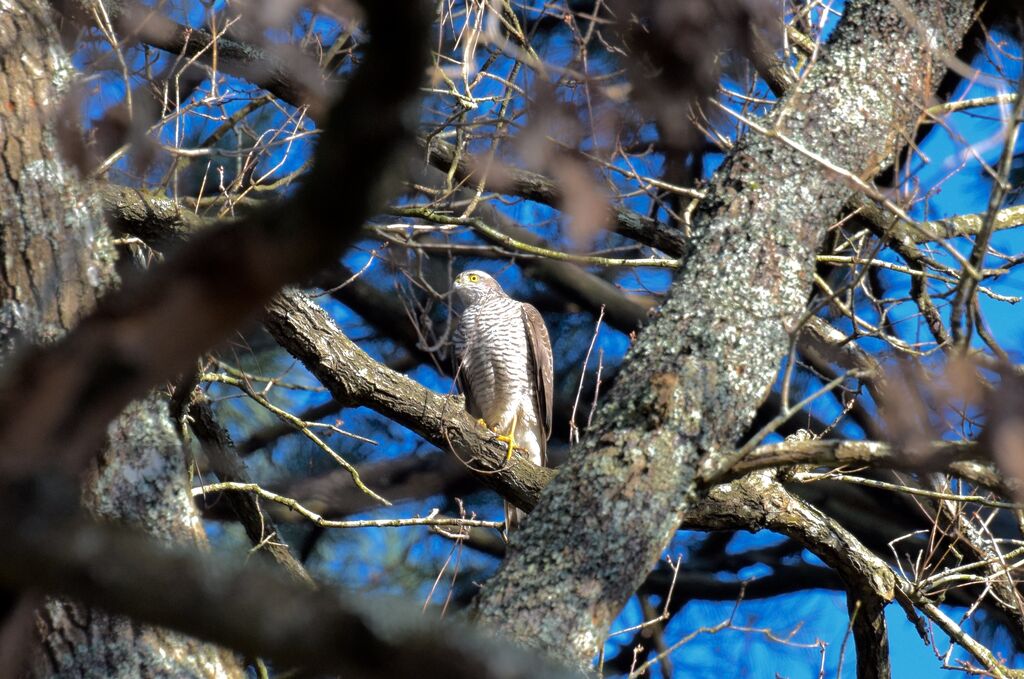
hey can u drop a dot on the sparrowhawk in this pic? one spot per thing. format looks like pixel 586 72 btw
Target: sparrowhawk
pixel 504 368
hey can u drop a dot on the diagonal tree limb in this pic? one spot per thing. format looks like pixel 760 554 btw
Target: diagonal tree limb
pixel 306 331
pixel 908 594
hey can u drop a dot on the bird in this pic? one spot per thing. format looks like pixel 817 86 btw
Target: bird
pixel 504 369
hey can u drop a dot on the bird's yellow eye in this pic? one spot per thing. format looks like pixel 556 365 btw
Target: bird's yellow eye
pixel 473 278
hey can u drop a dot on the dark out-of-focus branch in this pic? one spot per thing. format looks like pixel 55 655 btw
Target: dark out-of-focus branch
pixel 247 609
pixel 57 401
pixel 165 225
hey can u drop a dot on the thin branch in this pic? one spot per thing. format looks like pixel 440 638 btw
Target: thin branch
pixel 969 279
pixel 496 236
pixel 430 520
pixel 229 468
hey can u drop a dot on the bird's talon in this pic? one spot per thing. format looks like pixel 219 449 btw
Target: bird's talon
pixel 511 441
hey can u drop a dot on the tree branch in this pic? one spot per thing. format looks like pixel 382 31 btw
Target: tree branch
pixel 258 524
pixel 247 609
pixel 758 501
pixel 286 73
pixel 941 455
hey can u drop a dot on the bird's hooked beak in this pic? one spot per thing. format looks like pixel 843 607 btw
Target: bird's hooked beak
pixel 459 288
pixel 463 278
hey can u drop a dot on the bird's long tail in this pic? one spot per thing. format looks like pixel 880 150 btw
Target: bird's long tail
pixel 513 518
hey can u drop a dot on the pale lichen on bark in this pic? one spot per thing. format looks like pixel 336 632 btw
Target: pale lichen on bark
pixel 141 478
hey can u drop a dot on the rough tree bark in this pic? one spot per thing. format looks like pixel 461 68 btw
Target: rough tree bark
pixel 691 383
pixel 57 259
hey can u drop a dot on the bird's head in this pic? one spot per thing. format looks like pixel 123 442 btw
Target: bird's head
pixel 474 286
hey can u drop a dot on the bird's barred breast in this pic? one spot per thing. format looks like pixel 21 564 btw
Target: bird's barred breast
pixel 492 348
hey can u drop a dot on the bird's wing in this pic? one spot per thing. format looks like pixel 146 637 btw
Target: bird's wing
pixel 541 363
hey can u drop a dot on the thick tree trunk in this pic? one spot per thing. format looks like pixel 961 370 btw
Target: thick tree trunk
pixel 693 380
pixel 57 260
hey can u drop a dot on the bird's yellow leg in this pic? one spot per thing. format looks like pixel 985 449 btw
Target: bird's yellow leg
pixel 510 438
pixel 482 423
